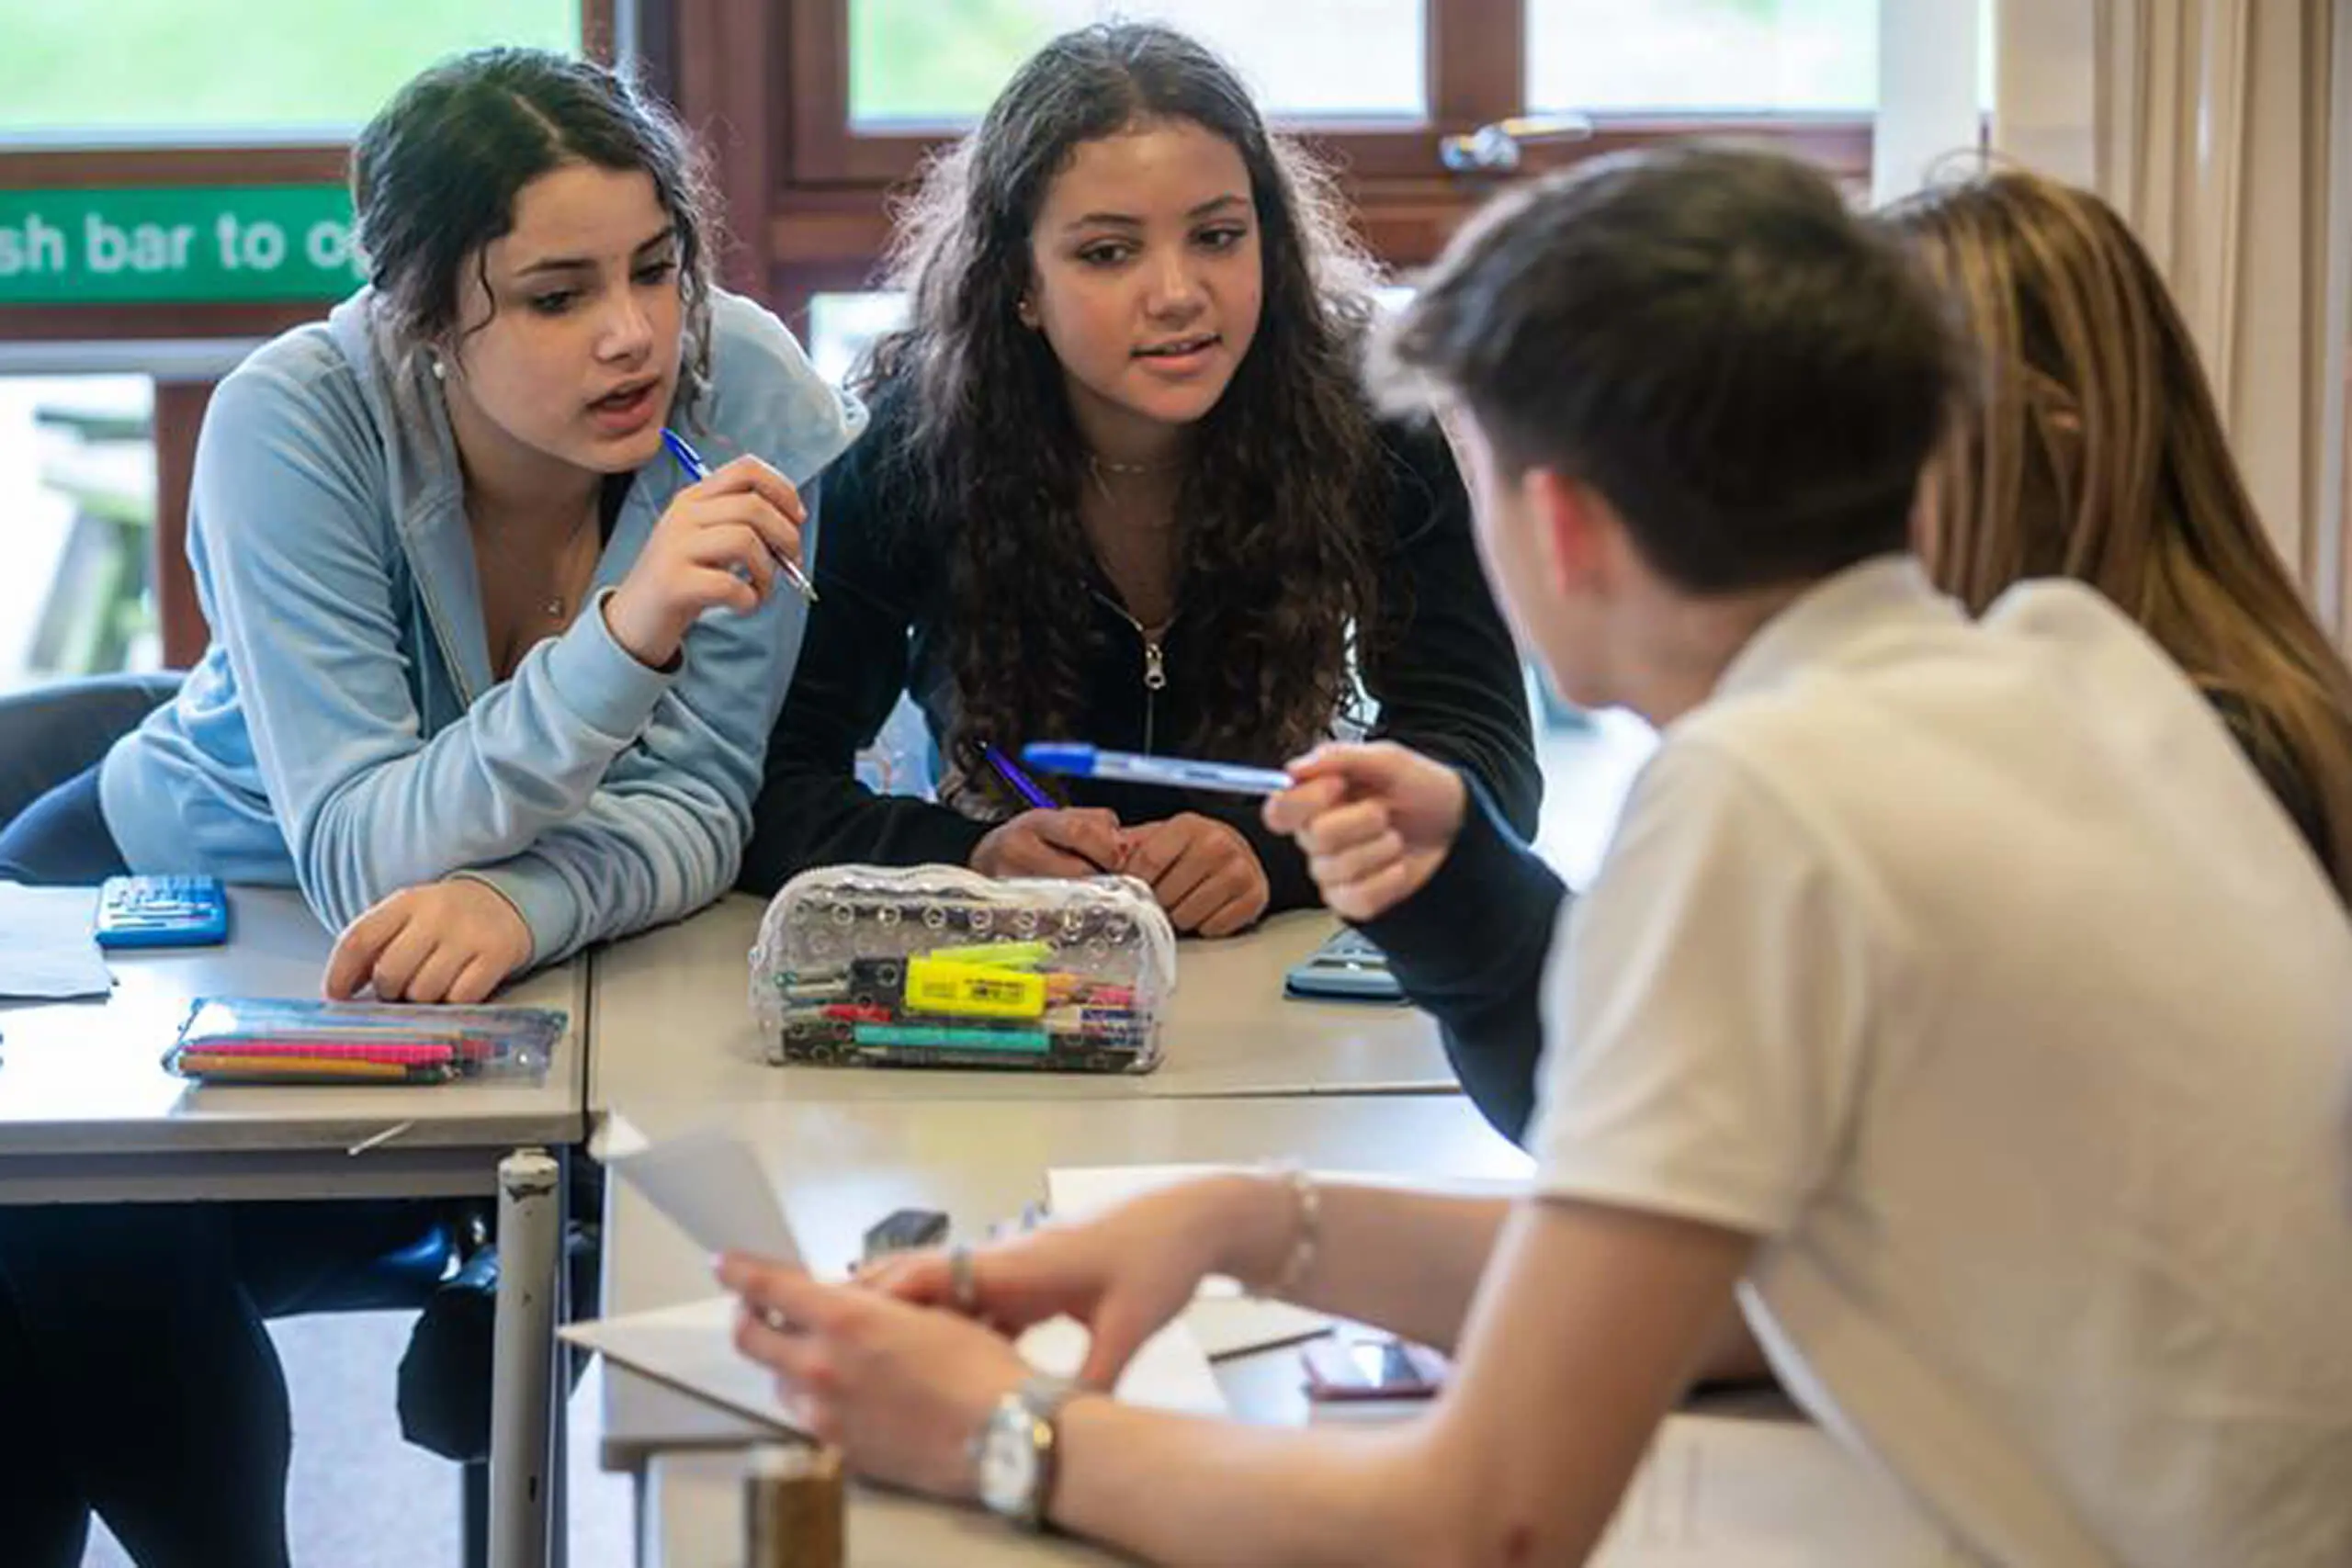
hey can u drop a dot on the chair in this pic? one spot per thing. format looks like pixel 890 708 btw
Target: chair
pixel 50 733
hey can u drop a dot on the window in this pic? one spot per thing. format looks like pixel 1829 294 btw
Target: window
pixel 823 107
pixel 916 63
pixel 113 138
pixel 842 327
pixel 1703 56
pixel 271 69
pixel 78 485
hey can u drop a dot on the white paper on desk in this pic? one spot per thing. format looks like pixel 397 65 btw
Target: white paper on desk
pixel 710 1185
pixel 46 948
pixel 692 1348
pixel 1766 1493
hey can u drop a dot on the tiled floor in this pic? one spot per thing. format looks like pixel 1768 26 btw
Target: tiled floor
pixel 363 1498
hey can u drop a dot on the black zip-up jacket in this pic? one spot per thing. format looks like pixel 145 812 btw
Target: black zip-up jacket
pixel 1450 684
pixel 1470 949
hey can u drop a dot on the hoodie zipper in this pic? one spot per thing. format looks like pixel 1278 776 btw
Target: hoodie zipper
pixel 1155 666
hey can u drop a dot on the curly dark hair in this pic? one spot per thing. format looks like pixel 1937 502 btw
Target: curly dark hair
pixel 1273 505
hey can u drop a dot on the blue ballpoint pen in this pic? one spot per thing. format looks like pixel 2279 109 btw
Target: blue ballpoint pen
pixel 1080 761
pixel 697 472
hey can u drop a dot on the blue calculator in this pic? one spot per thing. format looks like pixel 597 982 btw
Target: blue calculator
pixel 161 911
pixel 1349 967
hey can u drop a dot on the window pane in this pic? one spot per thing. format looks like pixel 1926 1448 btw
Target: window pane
pixel 842 327
pixel 1679 56
pixel 276 68
pixel 77 487
pixel 920 62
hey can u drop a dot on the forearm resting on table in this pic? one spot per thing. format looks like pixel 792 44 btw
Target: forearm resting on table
pixel 1404 1260
pixel 1585 1332
pixel 1182 1491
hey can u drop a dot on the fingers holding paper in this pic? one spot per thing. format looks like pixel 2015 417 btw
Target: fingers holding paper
pixel 1124 1275
pixel 900 1389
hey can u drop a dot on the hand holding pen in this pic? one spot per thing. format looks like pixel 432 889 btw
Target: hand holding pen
pixel 697 472
pixel 723 541
pixel 1049 840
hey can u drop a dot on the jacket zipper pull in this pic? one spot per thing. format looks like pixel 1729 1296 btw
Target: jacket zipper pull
pixel 1155 673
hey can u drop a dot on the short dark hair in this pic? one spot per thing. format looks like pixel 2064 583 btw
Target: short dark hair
pixel 1748 372
pixel 434 175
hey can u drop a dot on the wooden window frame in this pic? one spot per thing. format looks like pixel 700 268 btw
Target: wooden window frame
pixel 198 161
pixel 767 83
pixel 180 402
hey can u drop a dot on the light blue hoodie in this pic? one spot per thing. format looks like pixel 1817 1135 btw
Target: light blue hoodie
pixel 343 733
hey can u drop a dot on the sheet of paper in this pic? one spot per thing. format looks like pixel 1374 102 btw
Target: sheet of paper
pixel 1715 1491
pixel 46 949
pixel 1766 1493
pixel 710 1184
pixel 690 1348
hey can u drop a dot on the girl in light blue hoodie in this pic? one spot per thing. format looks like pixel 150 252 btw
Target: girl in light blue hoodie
pixel 492 678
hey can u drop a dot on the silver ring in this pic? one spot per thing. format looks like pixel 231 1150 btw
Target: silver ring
pixel 963 1291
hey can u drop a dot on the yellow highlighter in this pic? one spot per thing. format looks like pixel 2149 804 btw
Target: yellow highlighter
pixel 1008 954
pixel 973 990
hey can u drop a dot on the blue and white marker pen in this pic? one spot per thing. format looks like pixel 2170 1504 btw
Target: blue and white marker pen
pixel 1080 761
pixel 697 472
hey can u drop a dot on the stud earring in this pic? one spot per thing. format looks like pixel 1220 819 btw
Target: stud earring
pixel 440 371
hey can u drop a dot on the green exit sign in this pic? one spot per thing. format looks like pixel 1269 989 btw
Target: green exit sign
pixel 175 244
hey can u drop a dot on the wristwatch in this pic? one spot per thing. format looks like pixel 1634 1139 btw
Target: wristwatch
pixel 1014 1451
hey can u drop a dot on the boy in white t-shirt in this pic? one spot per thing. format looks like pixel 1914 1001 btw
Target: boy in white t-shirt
pixel 1956 992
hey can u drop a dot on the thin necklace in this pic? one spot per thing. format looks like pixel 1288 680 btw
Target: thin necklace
pixel 555 605
pixel 1104 465
pixel 1102 469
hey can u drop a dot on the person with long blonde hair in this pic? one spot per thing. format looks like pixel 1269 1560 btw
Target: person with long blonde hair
pixel 2089 445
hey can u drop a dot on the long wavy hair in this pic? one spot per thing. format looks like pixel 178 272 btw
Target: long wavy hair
pixel 2090 447
pixel 1273 504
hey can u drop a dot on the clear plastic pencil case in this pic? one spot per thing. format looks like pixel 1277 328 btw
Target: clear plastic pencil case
pixel 275 1040
pixel 939 966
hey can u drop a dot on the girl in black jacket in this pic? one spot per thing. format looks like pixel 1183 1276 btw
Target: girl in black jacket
pixel 1123 485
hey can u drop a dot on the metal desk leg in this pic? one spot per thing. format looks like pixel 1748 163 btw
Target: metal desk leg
pixel 530 1245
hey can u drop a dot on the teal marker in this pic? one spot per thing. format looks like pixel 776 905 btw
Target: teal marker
pixel 1031 1042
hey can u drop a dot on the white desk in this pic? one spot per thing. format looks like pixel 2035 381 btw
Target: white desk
pixel 674 1022
pixel 840 1166
pixel 88 1114
pixel 1729 1485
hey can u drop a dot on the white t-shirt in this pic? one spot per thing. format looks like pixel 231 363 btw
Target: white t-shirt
pixel 1974 969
